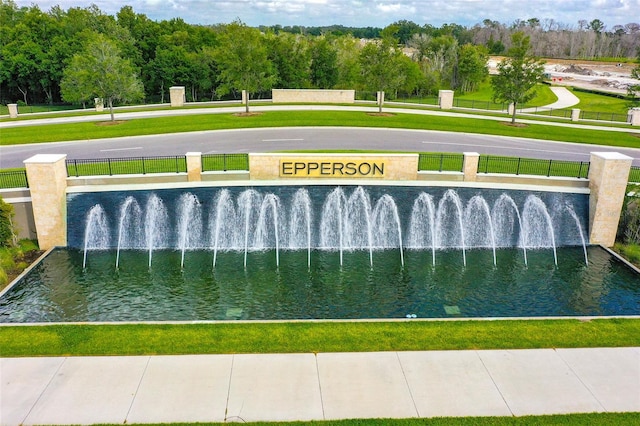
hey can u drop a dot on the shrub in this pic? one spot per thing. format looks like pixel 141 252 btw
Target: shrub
pixel 7 234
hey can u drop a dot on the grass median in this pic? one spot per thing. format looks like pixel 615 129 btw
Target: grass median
pixel 179 124
pixel 313 337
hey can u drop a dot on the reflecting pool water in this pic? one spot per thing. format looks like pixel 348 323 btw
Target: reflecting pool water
pixel 61 290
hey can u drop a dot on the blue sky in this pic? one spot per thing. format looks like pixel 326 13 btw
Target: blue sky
pixel 363 13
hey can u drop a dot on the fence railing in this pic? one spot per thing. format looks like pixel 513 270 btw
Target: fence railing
pixel 125 166
pixel 440 162
pixel 604 116
pixel 529 166
pixel 477 104
pixel 634 174
pixel 224 162
pixel 13 179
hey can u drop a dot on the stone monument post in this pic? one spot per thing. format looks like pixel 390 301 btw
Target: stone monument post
pixel 635 116
pixel 470 166
pixel 13 110
pixel 608 177
pixel 445 99
pixel 194 166
pixel 47 175
pixel 178 98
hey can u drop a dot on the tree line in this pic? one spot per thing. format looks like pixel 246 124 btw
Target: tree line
pixel 43 54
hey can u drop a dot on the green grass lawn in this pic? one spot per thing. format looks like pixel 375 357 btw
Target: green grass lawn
pixel 312 337
pixel 177 124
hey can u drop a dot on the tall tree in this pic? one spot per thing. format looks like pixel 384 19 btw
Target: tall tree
pixel 101 71
pixel 242 61
pixel 518 74
pixel 472 67
pixel 324 64
pixel 381 65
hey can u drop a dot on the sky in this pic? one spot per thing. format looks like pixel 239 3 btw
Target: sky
pixel 365 13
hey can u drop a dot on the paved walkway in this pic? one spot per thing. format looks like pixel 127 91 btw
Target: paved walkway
pixel 566 99
pixel 270 387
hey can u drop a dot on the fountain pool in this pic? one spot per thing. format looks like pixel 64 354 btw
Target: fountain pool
pixel 293 252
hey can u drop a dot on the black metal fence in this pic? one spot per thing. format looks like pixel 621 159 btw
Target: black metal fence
pixel 529 166
pixel 477 104
pixel 225 162
pixel 13 179
pixel 634 174
pixel 440 162
pixel 125 166
pixel 604 116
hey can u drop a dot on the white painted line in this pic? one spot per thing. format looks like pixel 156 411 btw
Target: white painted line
pixel 121 149
pixel 280 140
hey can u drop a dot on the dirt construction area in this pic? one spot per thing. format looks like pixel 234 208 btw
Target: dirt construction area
pixel 602 76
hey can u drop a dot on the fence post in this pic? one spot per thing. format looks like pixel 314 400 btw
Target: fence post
pixel 144 172
pixel 575 114
pixel 549 169
pixel 194 166
pixel 470 166
pixel 518 166
pixel 109 163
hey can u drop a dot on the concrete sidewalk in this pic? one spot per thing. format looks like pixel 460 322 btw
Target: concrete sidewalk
pixel 216 388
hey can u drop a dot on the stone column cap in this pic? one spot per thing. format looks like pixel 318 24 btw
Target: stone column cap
pixel 611 155
pixel 193 154
pixel 471 154
pixel 45 158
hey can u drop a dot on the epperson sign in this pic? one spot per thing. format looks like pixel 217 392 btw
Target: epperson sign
pixel 332 169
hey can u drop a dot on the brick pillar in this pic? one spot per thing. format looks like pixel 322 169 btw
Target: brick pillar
pixel 194 166
pixel 608 177
pixel 470 166
pixel 47 175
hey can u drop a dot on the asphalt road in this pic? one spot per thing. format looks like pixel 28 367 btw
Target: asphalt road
pixel 306 138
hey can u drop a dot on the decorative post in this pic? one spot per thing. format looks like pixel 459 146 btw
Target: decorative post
pixel 575 114
pixel 445 99
pixel 13 110
pixel 194 166
pixel 99 102
pixel 178 98
pixel 635 116
pixel 608 178
pixel 47 175
pixel 470 166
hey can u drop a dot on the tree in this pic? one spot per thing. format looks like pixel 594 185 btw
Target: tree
pixel 518 74
pixel 472 67
pixel 324 64
pixel 101 71
pixel 382 66
pixel 242 61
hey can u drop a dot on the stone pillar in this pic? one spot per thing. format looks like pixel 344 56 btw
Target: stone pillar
pixel 445 99
pixel 470 166
pixel 245 98
pixel 194 166
pixel 47 174
pixel 510 109
pixel 635 116
pixel 99 102
pixel 380 98
pixel 608 176
pixel 13 110
pixel 575 114
pixel 178 98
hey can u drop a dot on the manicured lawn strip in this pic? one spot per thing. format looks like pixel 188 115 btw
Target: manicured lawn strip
pixel 177 124
pixel 602 419
pixel 307 337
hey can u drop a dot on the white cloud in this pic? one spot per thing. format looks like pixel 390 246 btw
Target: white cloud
pixel 364 13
